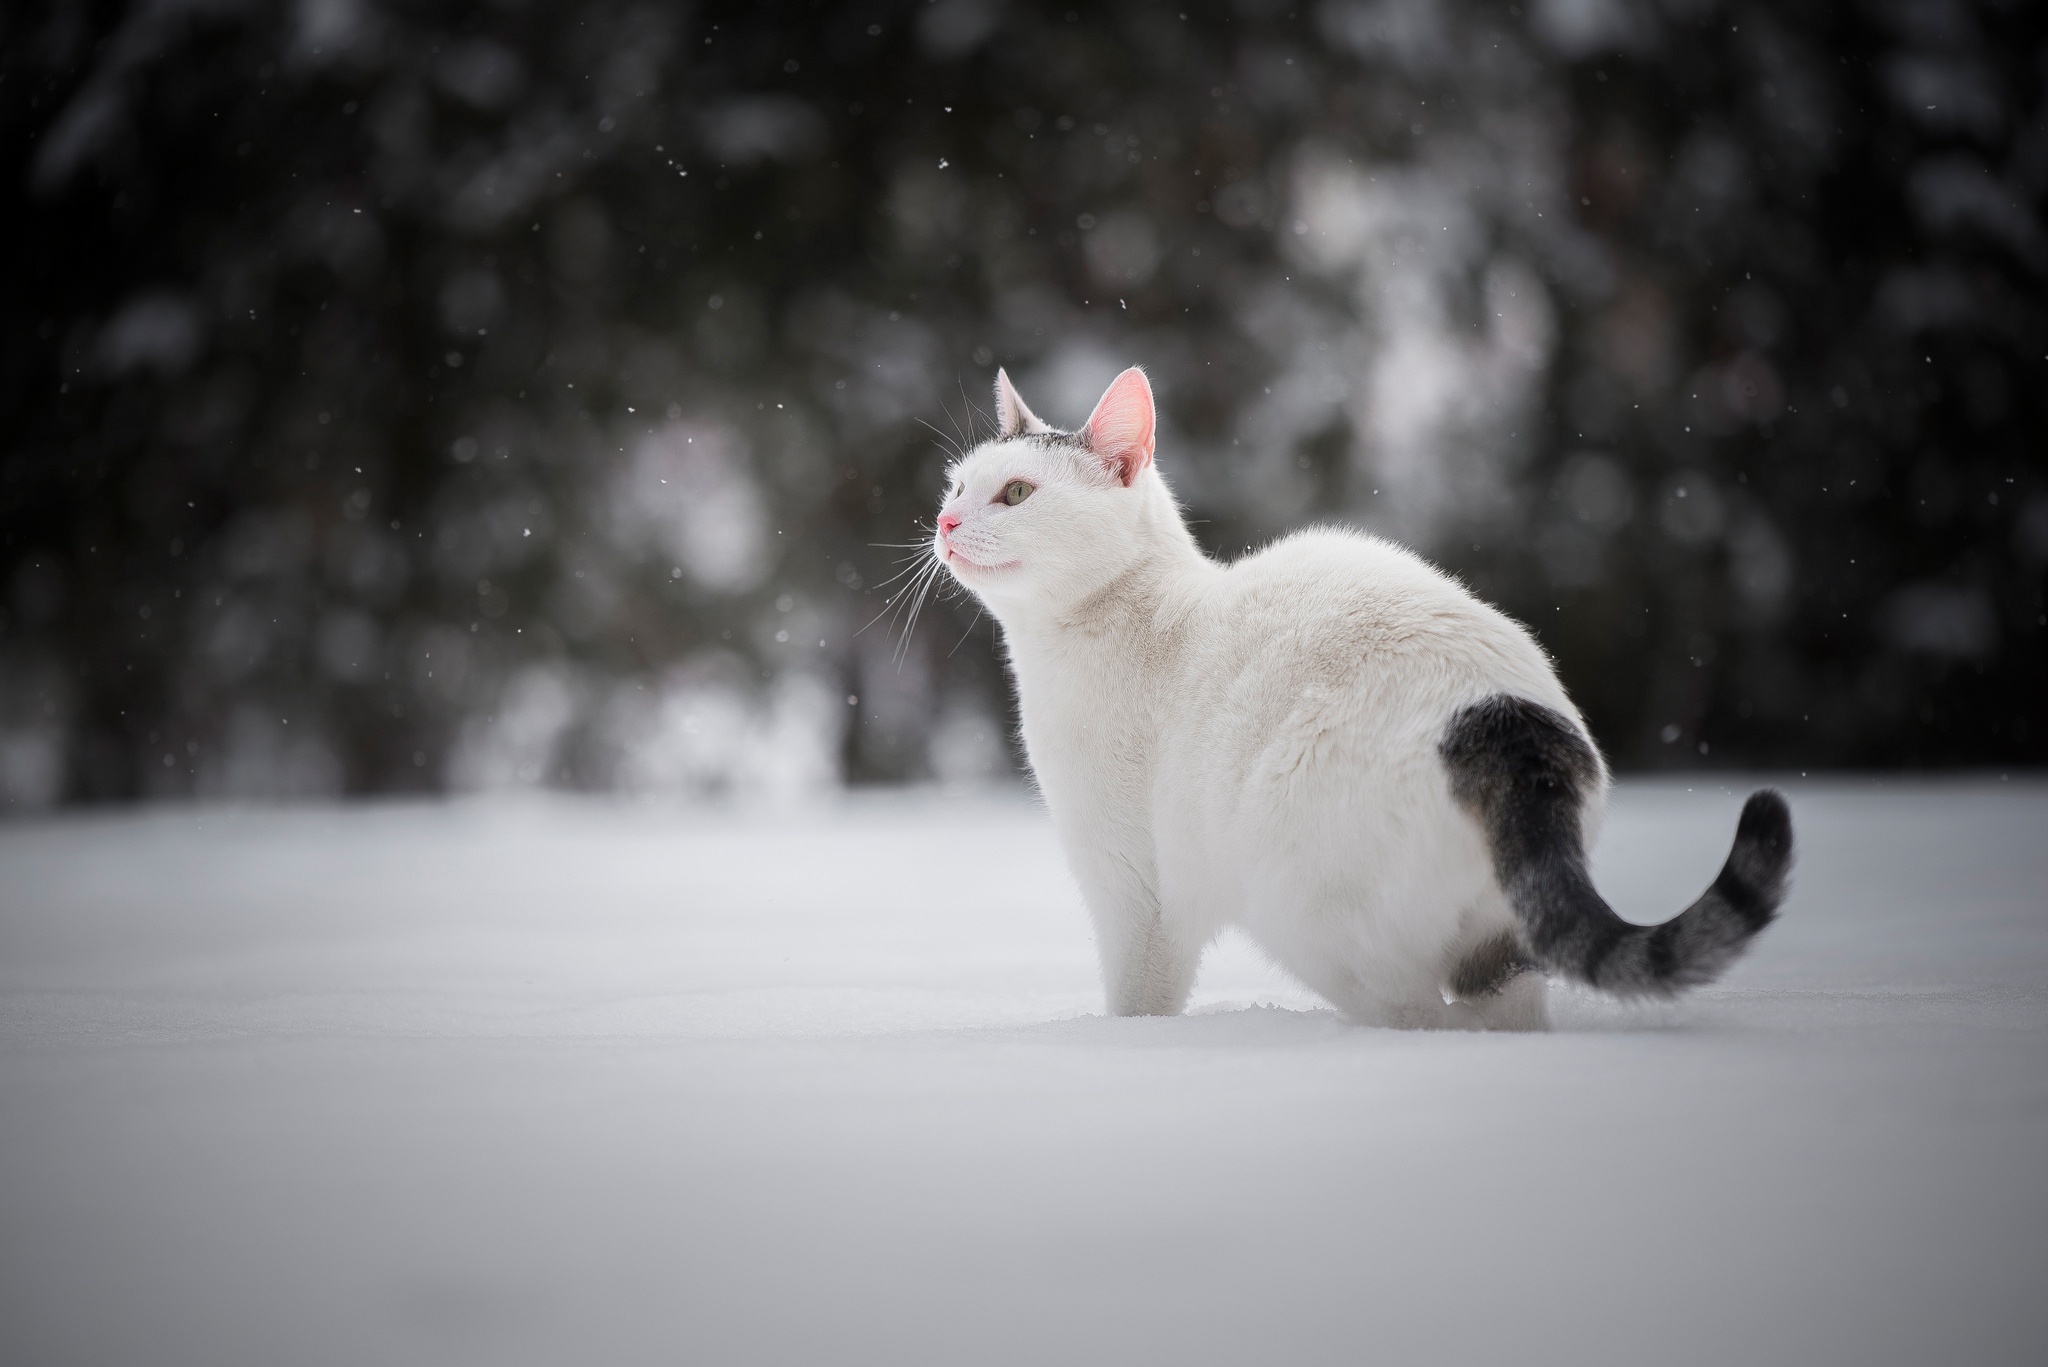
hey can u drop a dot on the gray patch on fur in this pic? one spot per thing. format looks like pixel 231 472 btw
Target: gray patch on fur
pixel 1488 968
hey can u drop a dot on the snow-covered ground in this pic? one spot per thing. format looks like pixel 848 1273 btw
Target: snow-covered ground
pixel 582 1082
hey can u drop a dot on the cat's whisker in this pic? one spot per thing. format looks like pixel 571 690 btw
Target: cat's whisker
pixel 888 610
pixel 906 588
pixel 918 573
pixel 929 529
pixel 924 586
pixel 891 603
pixel 915 557
pixel 906 616
pixel 967 438
pixel 974 414
pixel 919 552
pixel 968 404
pixel 910 567
pixel 965 634
pixel 874 619
pixel 953 446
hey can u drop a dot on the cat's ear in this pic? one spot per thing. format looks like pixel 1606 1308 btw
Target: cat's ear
pixel 1123 427
pixel 1013 418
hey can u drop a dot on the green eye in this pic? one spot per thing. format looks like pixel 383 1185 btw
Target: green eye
pixel 1015 492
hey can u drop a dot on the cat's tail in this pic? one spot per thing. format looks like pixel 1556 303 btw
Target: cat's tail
pixel 1525 772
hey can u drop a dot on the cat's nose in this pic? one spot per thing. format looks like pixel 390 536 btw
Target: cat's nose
pixel 947 522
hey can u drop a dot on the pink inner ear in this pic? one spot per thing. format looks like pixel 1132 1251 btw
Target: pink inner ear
pixel 1120 430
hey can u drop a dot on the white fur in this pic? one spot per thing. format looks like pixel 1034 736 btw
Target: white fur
pixel 1252 744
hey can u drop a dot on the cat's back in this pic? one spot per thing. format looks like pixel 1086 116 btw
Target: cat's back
pixel 1332 591
pixel 1328 617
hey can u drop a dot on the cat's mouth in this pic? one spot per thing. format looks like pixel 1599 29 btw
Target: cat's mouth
pixel 956 561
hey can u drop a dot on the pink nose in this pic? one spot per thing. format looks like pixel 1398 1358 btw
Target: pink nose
pixel 947 522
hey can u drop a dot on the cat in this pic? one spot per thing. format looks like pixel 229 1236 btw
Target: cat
pixel 1330 744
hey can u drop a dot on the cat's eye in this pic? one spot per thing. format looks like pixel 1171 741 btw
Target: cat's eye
pixel 1015 492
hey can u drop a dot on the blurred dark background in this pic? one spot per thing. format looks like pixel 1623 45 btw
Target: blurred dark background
pixel 400 397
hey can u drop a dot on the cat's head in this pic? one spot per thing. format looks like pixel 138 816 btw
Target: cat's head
pixel 1040 517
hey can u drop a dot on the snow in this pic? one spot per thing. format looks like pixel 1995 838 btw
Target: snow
pixel 563 1081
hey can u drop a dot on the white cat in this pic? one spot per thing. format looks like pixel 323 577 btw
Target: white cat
pixel 1329 744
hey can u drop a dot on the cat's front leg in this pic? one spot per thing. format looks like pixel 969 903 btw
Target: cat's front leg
pixel 1146 969
pixel 1153 978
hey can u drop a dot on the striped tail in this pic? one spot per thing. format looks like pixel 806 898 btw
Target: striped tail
pixel 1524 772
